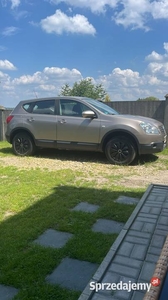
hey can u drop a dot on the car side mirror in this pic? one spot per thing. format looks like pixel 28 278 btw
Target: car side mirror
pixel 88 114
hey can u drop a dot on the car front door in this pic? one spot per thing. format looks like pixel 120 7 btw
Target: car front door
pixel 74 131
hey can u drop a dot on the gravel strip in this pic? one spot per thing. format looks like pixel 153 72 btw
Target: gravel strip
pixel 130 176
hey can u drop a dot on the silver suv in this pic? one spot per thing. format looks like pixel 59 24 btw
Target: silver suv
pixel 79 123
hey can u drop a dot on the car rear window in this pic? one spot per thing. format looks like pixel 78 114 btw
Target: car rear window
pixel 46 107
pixel 27 107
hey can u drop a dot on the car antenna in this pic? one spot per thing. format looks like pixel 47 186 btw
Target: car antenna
pixel 35 94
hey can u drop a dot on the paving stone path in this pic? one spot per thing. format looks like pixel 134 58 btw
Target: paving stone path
pixel 64 274
pixel 7 292
pixel 53 238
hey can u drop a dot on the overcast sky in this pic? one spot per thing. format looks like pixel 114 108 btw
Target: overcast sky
pixel 45 44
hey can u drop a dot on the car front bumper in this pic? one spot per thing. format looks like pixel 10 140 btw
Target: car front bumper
pixel 152 147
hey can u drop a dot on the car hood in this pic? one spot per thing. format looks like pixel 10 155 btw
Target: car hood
pixel 140 119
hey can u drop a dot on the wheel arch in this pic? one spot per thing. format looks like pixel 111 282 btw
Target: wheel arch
pixel 117 133
pixel 23 130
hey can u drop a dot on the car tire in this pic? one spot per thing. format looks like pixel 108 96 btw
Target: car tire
pixel 23 144
pixel 120 151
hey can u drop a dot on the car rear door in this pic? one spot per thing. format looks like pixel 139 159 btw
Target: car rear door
pixel 41 121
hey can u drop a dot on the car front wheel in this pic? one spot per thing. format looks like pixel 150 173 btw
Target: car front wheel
pixel 22 144
pixel 120 150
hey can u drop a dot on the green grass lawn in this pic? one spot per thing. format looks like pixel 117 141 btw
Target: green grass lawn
pixel 32 201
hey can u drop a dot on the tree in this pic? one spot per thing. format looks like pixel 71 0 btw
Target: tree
pixel 66 90
pixel 84 88
pixel 107 98
pixel 151 98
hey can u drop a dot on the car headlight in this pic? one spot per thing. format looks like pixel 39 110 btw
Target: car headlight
pixel 149 128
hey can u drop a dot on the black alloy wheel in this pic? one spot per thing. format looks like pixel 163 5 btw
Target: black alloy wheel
pixel 120 151
pixel 23 144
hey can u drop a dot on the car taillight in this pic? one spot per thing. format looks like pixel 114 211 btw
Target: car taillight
pixel 9 118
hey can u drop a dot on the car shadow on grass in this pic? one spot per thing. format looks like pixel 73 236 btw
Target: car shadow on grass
pixel 25 265
pixel 6 150
pixel 80 156
pixel 143 159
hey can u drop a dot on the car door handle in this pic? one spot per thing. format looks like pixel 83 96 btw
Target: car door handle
pixel 30 120
pixel 63 121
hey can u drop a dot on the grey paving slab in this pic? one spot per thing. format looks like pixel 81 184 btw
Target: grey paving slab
pixel 137 225
pixel 152 258
pixel 72 274
pixel 139 251
pixel 86 207
pixel 159 198
pixel 145 209
pixel 111 291
pixel 138 295
pixel 161 232
pixel 158 241
pixel 127 200
pixel 137 240
pixel 99 296
pixel 146 215
pixel 147 219
pixel 147 271
pixel 121 294
pixel 140 234
pixel 154 250
pixel 127 262
pixel 7 292
pixel 107 226
pixel 126 248
pixel 162 227
pixel 111 277
pixel 53 238
pixel 155 210
pixel 148 227
pixel 124 270
pixel 163 220
pixel 164 213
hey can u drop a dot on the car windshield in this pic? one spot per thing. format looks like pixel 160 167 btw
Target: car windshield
pixel 101 106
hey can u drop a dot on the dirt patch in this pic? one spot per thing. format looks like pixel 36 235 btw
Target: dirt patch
pixel 161 177
pixel 97 169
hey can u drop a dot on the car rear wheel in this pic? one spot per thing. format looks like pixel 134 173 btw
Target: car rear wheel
pixel 23 145
pixel 120 151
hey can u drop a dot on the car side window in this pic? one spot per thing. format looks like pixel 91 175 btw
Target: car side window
pixel 72 108
pixel 27 107
pixel 46 107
